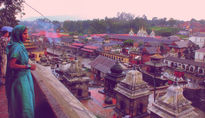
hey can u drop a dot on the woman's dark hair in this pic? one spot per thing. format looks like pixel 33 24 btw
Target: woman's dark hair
pixel 17 32
pixel 22 34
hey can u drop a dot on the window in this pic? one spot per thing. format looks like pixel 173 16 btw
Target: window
pixel 191 69
pixel 175 64
pixel 200 71
pixel 183 66
pixel 172 64
pixel 140 108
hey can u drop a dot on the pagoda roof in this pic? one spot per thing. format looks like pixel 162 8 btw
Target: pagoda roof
pixel 157 56
pixel 150 63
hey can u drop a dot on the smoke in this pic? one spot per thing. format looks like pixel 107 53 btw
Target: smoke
pixel 45 28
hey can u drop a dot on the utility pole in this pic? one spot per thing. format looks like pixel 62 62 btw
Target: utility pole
pixel 154 82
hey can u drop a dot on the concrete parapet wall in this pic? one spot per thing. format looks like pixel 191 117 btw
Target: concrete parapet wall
pixel 53 99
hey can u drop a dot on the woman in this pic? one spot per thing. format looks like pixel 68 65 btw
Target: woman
pixel 19 83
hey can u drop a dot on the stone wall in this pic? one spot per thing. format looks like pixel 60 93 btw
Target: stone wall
pixel 53 99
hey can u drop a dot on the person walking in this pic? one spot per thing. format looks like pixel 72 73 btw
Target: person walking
pixel 4 32
pixel 19 82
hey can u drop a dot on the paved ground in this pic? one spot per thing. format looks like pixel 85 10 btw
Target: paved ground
pixel 3 103
pixel 97 106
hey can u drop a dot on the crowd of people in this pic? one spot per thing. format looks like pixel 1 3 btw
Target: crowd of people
pixel 15 72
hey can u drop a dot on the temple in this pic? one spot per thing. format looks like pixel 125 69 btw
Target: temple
pixel 132 95
pixel 172 105
pixel 142 33
pixel 111 79
pixel 76 80
pixel 152 70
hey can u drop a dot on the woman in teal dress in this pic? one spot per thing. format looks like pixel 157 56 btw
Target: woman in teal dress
pixel 19 82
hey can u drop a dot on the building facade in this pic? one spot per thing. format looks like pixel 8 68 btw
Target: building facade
pixel 200 55
pixel 117 57
pixel 198 38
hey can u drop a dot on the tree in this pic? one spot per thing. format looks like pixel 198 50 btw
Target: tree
pixel 9 10
pixel 125 16
pixel 128 42
pixel 171 22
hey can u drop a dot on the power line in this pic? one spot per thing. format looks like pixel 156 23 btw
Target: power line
pixel 36 10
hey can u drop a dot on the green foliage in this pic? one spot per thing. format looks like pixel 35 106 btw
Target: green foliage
pixel 128 42
pixel 182 36
pixel 87 69
pixel 97 116
pixel 140 44
pixel 71 33
pixel 80 34
pixel 9 11
pixel 164 31
pixel 86 40
pixel 120 24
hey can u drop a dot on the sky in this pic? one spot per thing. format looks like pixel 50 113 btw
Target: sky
pixel 92 9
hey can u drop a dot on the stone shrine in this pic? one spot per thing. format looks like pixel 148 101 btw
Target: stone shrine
pixel 132 96
pixel 172 105
pixel 76 81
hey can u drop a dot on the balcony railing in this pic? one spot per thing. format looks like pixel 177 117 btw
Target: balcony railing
pixel 53 99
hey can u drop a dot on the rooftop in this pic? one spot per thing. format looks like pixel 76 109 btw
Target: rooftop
pixel 185 61
pixel 201 50
pixel 102 63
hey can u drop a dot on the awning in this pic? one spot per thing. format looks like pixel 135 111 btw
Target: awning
pixel 91 47
pixel 71 46
pixel 77 44
pixel 87 50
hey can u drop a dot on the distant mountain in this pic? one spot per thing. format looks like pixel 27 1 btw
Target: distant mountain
pixel 52 18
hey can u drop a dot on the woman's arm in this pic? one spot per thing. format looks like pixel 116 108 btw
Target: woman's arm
pixel 14 65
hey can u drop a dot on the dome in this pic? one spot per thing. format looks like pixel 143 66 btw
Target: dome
pixel 174 97
pixel 133 77
pixel 116 68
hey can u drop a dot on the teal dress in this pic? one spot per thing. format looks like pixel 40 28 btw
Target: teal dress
pixel 19 84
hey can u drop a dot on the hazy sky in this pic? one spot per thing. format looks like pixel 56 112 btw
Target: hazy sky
pixel 90 9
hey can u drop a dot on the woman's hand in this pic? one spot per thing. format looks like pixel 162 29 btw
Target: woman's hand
pixel 33 66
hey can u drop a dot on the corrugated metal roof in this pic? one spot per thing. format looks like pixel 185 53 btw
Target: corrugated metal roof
pixel 102 63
